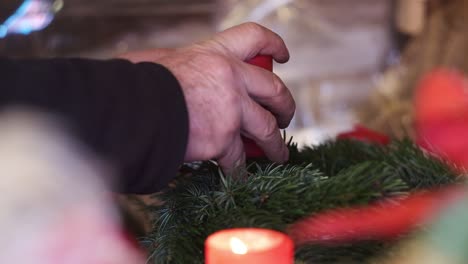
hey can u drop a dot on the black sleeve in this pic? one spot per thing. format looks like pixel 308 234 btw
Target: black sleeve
pixel 133 115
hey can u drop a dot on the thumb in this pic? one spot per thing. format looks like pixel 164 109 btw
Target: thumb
pixel 250 39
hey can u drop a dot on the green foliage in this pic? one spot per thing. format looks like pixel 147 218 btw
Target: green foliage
pixel 333 156
pixel 335 174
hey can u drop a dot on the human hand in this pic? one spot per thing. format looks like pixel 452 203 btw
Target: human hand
pixel 226 97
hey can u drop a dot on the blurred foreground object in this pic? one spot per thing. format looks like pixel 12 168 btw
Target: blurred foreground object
pixel 54 208
pixel 445 242
pixel 386 220
pixel 32 15
pixel 441 115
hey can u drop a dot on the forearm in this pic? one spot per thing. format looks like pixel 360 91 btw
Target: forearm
pixel 134 115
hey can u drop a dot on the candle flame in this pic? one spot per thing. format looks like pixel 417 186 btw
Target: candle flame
pixel 238 246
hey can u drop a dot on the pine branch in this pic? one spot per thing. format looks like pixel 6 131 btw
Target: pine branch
pixel 333 156
pixel 336 174
pixel 418 169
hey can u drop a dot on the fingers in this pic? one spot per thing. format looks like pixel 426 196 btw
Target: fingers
pixel 234 157
pixel 261 126
pixel 249 39
pixel 269 90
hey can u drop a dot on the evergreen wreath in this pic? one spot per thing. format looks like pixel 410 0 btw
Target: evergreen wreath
pixel 336 174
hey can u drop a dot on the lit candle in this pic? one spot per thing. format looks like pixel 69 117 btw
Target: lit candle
pixel 249 246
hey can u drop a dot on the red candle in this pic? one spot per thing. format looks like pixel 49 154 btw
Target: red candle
pixel 252 150
pixel 249 246
pixel 263 61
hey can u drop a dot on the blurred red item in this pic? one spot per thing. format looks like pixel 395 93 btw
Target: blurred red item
pixel 131 240
pixel 362 133
pixel 252 150
pixel 441 115
pixel 386 220
pixel 263 61
pixel 447 139
pixel 441 94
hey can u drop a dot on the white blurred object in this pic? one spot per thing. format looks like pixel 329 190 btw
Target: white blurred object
pixel 53 205
pixel 337 47
pixel 32 15
pixel 316 135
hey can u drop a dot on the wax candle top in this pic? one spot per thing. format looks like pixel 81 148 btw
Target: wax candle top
pixel 243 241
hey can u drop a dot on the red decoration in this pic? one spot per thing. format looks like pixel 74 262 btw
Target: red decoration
pixel 386 220
pixel 131 240
pixel 263 61
pixel 252 150
pixel 442 94
pixel 364 134
pixel 441 114
pixel 249 246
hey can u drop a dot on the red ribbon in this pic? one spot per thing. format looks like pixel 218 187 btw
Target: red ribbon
pixel 364 134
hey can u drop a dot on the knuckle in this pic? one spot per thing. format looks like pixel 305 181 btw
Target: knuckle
pixel 290 109
pixel 293 109
pixel 255 28
pixel 270 129
pixel 279 88
pixel 283 95
pixel 222 68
